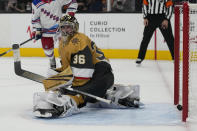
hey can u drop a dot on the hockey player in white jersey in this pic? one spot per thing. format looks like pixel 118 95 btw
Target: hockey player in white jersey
pixel 84 68
pixel 45 15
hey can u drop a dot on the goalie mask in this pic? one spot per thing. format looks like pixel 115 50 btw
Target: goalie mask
pixel 68 25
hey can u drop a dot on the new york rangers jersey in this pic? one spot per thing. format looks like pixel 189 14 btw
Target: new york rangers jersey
pixel 46 14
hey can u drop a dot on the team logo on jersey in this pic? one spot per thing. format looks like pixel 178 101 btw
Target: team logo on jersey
pixel 75 41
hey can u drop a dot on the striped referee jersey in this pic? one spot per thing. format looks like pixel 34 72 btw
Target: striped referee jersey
pixel 158 7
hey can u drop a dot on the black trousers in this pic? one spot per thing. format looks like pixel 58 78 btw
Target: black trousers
pixel 102 80
pixel 155 21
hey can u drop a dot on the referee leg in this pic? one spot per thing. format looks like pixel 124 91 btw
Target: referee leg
pixel 169 38
pixel 148 32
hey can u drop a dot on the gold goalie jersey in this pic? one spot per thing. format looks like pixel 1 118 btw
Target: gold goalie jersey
pixel 79 55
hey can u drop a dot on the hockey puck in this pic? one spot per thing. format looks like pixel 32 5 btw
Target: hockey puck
pixel 179 107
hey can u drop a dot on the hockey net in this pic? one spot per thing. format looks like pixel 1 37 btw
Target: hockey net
pixel 185 62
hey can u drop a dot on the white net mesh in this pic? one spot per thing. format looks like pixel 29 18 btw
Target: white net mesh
pixel 192 81
pixel 193 62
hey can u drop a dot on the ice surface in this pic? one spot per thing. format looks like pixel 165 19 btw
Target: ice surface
pixel 154 77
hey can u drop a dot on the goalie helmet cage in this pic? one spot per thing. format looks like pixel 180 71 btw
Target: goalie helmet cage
pixel 185 60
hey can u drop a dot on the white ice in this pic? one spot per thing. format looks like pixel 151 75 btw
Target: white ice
pixel 154 77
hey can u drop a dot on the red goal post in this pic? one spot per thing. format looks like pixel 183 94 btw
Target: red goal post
pixel 185 59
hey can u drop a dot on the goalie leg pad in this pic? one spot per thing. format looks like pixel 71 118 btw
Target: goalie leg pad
pixel 39 100
pixel 136 92
pixel 40 106
pixel 51 105
pixel 122 95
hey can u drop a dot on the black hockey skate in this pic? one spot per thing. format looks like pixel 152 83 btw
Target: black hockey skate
pixel 53 63
pixel 128 102
pixel 138 61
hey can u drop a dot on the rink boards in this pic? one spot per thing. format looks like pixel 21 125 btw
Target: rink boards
pixel 119 35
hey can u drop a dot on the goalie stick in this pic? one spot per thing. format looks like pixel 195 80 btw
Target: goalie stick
pixel 38 78
pixel 19 44
pixel 19 71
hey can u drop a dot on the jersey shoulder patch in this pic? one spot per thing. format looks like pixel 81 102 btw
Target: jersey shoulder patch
pixel 38 3
pixel 75 40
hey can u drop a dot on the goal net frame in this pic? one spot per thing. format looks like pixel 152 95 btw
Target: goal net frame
pixel 181 89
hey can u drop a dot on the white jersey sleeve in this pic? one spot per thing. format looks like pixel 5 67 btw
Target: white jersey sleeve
pixel 35 17
pixel 71 5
